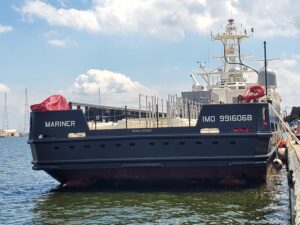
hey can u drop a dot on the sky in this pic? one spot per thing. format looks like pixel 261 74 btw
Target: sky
pixel 127 47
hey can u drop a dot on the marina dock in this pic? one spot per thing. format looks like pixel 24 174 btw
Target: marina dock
pixel 293 166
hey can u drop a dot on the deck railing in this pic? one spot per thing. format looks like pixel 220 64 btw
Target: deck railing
pixel 284 126
pixel 152 112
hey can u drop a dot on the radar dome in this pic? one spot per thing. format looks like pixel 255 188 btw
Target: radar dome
pixel 271 78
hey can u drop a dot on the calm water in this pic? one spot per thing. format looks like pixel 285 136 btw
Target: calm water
pixel 28 197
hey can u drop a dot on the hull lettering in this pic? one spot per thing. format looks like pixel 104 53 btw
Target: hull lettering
pixel 68 123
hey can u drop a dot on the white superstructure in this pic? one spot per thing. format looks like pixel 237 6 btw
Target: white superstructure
pixel 228 80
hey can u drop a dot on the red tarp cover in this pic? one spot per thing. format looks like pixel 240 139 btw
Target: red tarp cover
pixel 298 129
pixel 53 103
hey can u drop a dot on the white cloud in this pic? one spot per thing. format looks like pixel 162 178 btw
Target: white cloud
pixel 77 19
pixel 117 88
pixel 58 42
pixel 4 29
pixel 55 38
pixel 107 81
pixel 3 88
pixel 62 2
pixel 170 19
pixel 61 42
pixel 288 80
pixel 164 19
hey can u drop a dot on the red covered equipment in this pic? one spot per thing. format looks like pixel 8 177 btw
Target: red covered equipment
pixel 253 93
pixel 53 103
pixel 298 130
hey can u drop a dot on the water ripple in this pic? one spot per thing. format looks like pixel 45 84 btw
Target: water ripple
pixel 29 199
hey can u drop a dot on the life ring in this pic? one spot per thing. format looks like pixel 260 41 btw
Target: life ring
pixel 252 93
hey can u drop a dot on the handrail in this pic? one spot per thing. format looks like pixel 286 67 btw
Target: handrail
pixel 284 124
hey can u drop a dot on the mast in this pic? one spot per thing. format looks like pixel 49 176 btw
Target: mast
pixel 26 114
pixel 5 114
pixel 232 67
pixel 265 62
pixel 232 59
pixel 99 97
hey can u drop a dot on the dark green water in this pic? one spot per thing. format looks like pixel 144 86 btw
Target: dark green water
pixel 27 197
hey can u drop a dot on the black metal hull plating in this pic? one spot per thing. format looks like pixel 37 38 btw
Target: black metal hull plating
pixel 156 155
pixel 188 158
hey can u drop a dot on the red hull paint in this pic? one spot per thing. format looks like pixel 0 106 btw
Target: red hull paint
pixel 233 175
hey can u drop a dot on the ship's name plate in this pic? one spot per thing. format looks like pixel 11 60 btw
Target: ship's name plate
pixel 141 130
pixel 227 118
pixel 66 123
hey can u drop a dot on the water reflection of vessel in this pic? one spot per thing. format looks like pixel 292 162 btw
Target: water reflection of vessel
pixel 255 205
pixel 185 140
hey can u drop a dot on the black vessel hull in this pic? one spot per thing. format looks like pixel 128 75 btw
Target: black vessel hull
pixel 190 158
pixel 204 175
pixel 239 152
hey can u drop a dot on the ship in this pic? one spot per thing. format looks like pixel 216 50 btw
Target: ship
pixel 224 133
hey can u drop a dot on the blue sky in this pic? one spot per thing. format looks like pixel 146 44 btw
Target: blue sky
pixel 129 46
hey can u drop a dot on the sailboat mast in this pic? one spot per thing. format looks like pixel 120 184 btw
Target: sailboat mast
pixel 99 97
pixel 5 114
pixel 26 114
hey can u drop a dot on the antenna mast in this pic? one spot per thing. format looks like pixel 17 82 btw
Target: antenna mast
pixel 232 70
